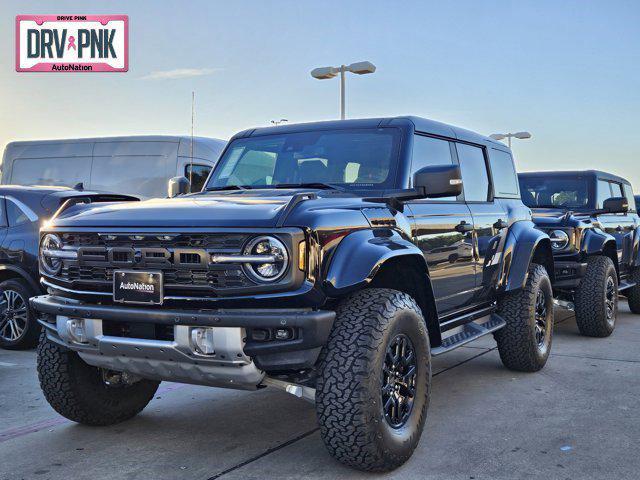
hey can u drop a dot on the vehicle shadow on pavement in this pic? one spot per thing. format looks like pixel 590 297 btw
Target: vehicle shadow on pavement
pixel 571 420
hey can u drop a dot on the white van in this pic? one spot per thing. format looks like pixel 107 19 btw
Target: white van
pixel 139 165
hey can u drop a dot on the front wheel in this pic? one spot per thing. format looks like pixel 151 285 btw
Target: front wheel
pixel 596 298
pixel 87 394
pixel 524 343
pixel 374 380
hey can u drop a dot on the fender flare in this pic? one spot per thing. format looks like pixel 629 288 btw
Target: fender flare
pixel 523 243
pixel 360 255
pixel 24 274
pixel 595 240
pixel 635 251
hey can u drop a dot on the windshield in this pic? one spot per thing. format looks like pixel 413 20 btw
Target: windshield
pixel 558 192
pixel 354 159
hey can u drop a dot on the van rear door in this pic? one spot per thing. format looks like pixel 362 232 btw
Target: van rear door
pixel 133 167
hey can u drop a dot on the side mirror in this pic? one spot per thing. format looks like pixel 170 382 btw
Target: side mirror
pixel 178 186
pixel 616 205
pixel 438 181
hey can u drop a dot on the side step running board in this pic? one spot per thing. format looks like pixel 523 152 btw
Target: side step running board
pixel 470 332
pixel 624 285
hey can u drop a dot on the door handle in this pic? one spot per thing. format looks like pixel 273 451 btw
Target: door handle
pixel 500 224
pixel 464 227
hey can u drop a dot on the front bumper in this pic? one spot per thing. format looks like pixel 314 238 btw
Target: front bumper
pixel 240 363
pixel 569 274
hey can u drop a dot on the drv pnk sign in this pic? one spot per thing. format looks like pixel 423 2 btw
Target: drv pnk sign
pixel 72 43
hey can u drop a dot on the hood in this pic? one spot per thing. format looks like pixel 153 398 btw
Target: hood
pixel 255 209
pixel 558 217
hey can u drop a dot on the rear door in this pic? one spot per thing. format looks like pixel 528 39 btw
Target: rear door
pixel 490 218
pixel 443 230
pixel 134 167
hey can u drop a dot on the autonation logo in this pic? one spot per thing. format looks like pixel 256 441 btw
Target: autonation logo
pixel 138 287
pixel 72 43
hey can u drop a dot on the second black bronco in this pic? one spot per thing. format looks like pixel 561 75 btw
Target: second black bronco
pixel 330 260
pixel 594 227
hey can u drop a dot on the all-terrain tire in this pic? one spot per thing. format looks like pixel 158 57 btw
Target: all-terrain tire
pixel 524 343
pixel 349 398
pixel 77 391
pixel 593 317
pixel 633 293
pixel 18 290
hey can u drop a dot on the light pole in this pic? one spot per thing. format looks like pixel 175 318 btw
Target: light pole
pixel 509 136
pixel 359 68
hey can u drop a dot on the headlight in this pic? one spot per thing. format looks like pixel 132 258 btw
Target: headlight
pixel 266 259
pixel 559 239
pixel 50 261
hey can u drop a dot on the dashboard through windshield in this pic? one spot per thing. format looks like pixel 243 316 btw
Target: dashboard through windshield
pixel 354 159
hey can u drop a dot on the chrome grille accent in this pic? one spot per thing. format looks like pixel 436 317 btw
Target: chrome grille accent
pixel 184 259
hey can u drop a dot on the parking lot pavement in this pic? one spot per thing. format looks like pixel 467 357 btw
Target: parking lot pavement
pixel 576 419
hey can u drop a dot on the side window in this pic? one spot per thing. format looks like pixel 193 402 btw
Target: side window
pixel 15 215
pixel 628 193
pixel 475 179
pixel 616 190
pixel 197 175
pixel 503 172
pixel 429 151
pixel 603 193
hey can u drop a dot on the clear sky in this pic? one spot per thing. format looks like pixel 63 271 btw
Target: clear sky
pixel 567 71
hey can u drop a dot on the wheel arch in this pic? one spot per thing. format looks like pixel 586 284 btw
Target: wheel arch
pixel 524 245
pixel 409 274
pixel 8 272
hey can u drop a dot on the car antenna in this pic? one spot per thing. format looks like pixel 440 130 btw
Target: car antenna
pixel 79 186
pixel 193 113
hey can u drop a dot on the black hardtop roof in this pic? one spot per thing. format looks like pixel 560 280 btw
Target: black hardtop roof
pixel 575 173
pixel 420 124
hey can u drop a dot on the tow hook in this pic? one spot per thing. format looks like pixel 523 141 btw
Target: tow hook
pixel 300 391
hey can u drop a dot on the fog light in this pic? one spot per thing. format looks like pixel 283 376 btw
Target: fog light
pixel 284 334
pixel 202 340
pixel 77 333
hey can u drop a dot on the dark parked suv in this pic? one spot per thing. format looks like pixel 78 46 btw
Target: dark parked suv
pixel 22 212
pixel 594 228
pixel 331 260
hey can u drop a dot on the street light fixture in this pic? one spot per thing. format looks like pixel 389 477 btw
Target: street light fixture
pixel 325 73
pixel 509 136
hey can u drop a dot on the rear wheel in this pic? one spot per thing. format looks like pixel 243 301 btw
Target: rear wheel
pixel 633 293
pixel 18 326
pixel 86 394
pixel 596 298
pixel 524 343
pixel 374 380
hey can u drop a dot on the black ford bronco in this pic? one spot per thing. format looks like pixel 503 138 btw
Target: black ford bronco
pixel 595 234
pixel 330 260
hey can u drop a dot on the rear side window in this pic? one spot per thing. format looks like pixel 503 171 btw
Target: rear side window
pixel 197 175
pixel 628 193
pixel 475 179
pixel 51 171
pixel 503 172
pixel 15 215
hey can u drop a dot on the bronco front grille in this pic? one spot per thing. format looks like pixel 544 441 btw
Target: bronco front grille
pixel 183 259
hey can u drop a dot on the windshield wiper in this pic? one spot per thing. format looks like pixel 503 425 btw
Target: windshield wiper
pixel 228 187
pixel 320 185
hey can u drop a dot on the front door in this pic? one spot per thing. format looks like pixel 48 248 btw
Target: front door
pixel 444 233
